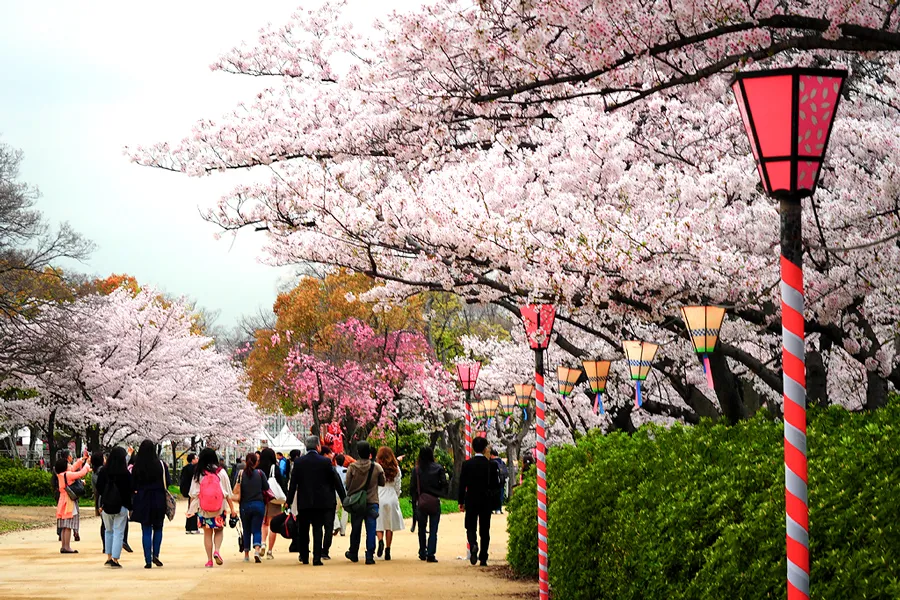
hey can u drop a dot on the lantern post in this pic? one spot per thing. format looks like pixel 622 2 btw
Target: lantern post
pixel 467 372
pixel 597 372
pixel 640 359
pixel 703 324
pixel 788 115
pixel 538 320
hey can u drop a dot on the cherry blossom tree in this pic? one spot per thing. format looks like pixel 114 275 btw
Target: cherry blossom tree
pixel 136 370
pixel 585 153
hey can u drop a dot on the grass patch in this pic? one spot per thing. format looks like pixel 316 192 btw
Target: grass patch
pixel 447 506
pixel 16 500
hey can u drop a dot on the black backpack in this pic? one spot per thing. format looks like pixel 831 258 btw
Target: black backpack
pixel 111 498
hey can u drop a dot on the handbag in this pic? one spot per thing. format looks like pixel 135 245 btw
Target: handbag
pixel 170 499
pixel 278 495
pixel 236 490
pixel 74 490
pixel 428 504
pixel 355 503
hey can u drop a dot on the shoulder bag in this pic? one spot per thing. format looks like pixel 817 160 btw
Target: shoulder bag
pixel 355 503
pixel 277 494
pixel 170 499
pixel 428 504
pixel 236 490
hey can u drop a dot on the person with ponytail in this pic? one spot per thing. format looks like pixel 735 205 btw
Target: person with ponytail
pixel 251 484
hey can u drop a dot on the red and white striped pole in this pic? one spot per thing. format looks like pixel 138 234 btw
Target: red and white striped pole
pixel 468 424
pixel 541 462
pixel 794 368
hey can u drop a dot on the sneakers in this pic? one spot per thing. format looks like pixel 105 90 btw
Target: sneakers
pixel 380 548
pixel 270 556
pixel 208 565
pixel 115 565
pixel 262 549
pixel 256 557
pixel 109 563
pixel 218 558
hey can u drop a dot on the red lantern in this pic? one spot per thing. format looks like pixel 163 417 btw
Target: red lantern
pixel 468 374
pixel 538 324
pixel 788 114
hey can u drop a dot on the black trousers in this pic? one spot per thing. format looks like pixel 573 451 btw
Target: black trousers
pixel 478 521
pixel 190 524
pixel 328 524
pixel 314 517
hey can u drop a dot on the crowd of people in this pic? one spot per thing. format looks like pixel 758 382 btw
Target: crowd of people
pixel 307 498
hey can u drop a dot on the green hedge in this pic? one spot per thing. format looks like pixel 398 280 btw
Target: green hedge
pixel 24 482
pixel 698 512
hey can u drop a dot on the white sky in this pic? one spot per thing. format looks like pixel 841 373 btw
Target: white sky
pixel 79 81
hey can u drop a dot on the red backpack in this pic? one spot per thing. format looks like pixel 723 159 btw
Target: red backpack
pixel 211 496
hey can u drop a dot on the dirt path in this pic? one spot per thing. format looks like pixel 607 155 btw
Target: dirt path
pixel 31 567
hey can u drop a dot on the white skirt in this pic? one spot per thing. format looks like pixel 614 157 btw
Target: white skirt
pixel 390 518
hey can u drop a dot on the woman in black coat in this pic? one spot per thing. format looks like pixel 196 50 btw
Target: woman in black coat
pixel 115 495
pixel 428 477
pixel 150 477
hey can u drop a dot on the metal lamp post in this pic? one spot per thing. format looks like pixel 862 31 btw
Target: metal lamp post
pixel 788 114
pixel 467 372
pixel 597 372
pixel 538 319
pixel 703 324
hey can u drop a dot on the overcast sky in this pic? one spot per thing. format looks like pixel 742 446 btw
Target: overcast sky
pixel 82 80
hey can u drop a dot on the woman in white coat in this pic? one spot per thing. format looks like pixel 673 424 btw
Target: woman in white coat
pixel 390 519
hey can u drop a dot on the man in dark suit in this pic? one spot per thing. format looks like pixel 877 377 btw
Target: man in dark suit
pixel 314 484
pixel 479 496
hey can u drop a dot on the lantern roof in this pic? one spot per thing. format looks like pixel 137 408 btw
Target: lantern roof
pixel 788 115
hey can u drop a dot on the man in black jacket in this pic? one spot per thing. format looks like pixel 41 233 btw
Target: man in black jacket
pixel 479 496
pixel 314 483
pixel 187 473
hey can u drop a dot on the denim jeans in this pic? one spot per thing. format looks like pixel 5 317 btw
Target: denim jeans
pixel 115 531
pixel 356 522
pixel 432 522
pixel 252 514
pixel 151 537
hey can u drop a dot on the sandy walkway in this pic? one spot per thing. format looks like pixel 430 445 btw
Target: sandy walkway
pixel 31 567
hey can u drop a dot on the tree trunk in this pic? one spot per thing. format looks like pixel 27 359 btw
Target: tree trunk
pixel 93 438
pixel 32 440
pixel 727 389
pixel 51 436
pixel 816 379
pixel 876 390
pixel 457 446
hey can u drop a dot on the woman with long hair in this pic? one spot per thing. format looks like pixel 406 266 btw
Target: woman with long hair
pixel 390 517
pixel 67 513
pixel 252 483
pixel 115 493
pixel 430 478
pixel 210 496
pixel 98 460
pixel 268 464
pixel 150 480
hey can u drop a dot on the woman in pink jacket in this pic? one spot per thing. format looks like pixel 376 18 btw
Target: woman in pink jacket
pixel 67 517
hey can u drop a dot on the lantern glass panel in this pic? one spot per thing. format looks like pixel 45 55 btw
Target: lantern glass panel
pixel 467 372
pixel 769 99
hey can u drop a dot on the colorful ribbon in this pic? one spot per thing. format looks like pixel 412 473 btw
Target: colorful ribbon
pixel 638 399
pixel 598 405
pixel 708 371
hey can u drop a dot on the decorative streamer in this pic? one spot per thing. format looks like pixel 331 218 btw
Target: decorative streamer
pixel 598 404
pixel 708 371
pixel 638 399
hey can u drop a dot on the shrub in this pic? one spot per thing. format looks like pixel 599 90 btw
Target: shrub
pixel 25 482
pixel 698 512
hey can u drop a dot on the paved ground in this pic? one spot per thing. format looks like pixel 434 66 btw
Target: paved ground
pixel 31 567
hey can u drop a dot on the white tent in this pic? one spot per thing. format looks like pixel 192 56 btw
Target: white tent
pixel 286 441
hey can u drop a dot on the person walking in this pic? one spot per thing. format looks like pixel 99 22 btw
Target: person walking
pixel 427 485
pixel 116 500
pixel 250 488
pixel 150 480
pixel 390 517
pixel 67 510
pixel 479 496
pixel 364 475
pixel 187 474
pixel 504 475
pixel 340 515
pixel 98 459
pixel 210 496
pixel 268 464
pixel 314 484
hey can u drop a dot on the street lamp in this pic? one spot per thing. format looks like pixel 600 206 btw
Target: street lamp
pixel 524 394
pixel 640 358
pixel 703 324
pixel 538 320
pixel 467 372
pixel 597 373
pixel 788 114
